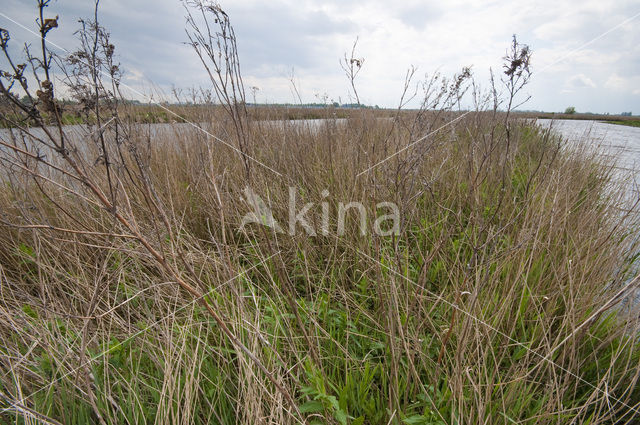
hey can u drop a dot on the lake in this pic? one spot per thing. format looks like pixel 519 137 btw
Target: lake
pixel 620 142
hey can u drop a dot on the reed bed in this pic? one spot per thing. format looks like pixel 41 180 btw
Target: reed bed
pixel 131 292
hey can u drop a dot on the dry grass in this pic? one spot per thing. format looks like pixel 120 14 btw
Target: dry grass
pixel 130 292
pixel 527 246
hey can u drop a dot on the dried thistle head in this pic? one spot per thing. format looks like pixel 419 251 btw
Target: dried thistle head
pixel 109 49
pixel 46 102
pixel 517 60
pixel 48 25
pixel 4 38
pixel 357 62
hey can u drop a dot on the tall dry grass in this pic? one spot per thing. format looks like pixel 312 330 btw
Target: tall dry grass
pixel 481 310
pixel 130 292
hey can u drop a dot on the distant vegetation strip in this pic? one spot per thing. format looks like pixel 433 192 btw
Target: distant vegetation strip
pixel 614 119
pixel 631 123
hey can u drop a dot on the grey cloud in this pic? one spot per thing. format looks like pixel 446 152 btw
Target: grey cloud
pixel 283 37
pixel 418 16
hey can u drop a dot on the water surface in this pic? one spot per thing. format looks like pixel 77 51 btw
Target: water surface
pixel 620 142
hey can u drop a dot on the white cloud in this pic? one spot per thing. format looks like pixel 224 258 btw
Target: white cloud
pixel 626 84
pixel 579 81
pixel 134 75
pixel 615 82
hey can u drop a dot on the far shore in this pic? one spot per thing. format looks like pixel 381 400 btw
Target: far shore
pixel 633 120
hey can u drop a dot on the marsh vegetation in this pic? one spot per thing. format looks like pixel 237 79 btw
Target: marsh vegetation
pixel 129 293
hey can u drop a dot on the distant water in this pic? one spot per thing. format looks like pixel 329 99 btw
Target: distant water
pixel 619 141
pixel 622 142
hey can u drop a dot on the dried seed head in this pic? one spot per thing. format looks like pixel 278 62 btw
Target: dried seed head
pixel 45 97
pixel 4 37
pixel 49 24
pixel 110 49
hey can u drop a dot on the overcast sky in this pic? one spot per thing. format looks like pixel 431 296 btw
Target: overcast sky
pixel 307 38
